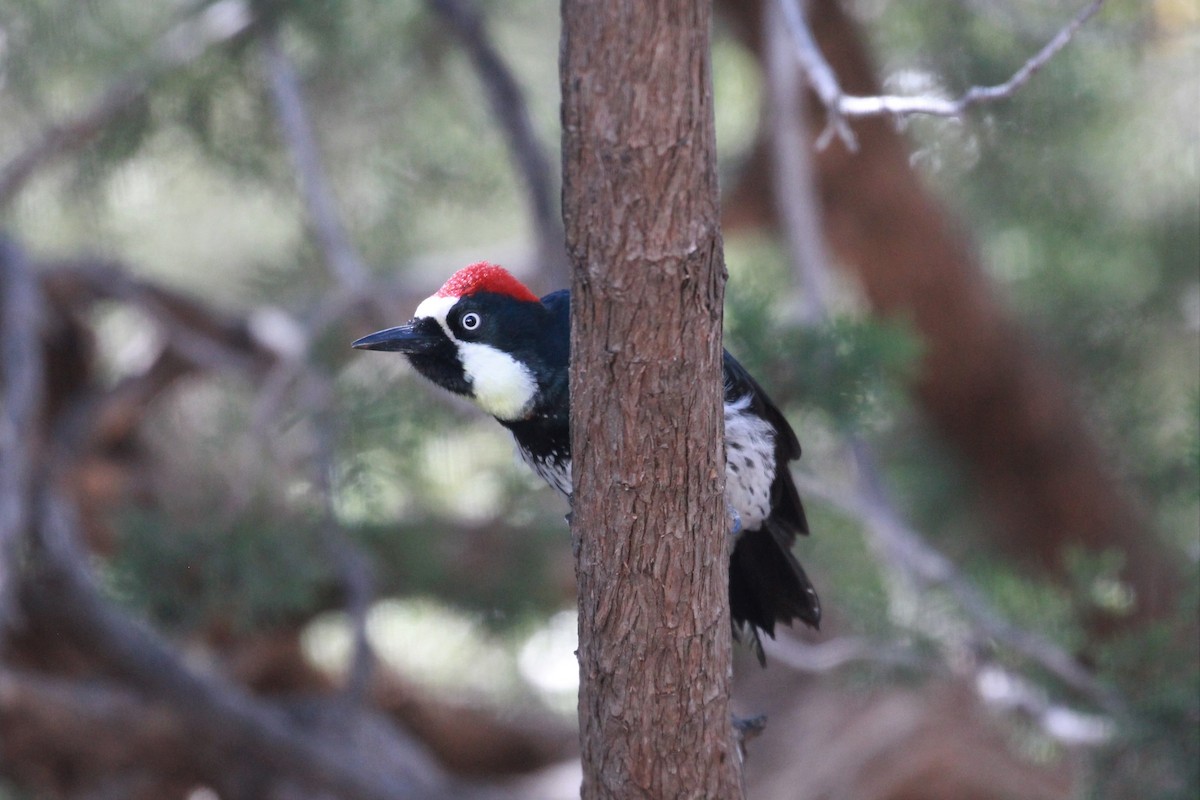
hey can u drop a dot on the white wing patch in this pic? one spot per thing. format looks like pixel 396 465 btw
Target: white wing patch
pixel 749 463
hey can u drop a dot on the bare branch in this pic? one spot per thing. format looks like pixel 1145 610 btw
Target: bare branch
pixel 837 653
pixel 839 105
pixel 297 131
pixel 20 393
pixel 353 568
pixel 896 543
pixel 1001 688
pixel 793 181
pixel 820 74
pixel 57 719
pixel 902 547
pixel 201 336
pixel 229 725
pixel 183 44
pixel 354 281
pixel 509 107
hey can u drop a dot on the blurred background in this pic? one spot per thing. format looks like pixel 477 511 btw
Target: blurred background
pixel 239 559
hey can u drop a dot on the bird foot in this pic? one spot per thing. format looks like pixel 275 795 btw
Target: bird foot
pixel 747 728
pixel 735 521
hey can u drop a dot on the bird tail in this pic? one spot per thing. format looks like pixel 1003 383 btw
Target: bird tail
pixel 767 585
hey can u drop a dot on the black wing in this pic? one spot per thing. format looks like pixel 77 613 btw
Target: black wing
pixel 767 585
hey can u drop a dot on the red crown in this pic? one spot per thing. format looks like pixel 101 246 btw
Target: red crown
pixel 484 277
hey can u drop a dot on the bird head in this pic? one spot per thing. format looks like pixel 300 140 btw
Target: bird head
pixel 483 335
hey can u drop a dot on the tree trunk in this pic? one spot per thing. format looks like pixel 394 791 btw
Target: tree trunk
pixel 1001 404
pixel 641 210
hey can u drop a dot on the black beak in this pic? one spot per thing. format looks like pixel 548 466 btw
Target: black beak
pixel 418 336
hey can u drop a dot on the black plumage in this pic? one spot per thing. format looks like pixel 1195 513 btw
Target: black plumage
pixel 529 341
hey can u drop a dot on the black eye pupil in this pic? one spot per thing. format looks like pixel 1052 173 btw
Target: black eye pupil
pixel 470 321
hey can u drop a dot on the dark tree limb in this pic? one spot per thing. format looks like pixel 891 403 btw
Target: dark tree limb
pixel 20 404
pixel 205 338
pixel 228 726
pixel 40 713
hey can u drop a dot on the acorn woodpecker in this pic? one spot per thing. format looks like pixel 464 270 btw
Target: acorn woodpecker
pixel 485 336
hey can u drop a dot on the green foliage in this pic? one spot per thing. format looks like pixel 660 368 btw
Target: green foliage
pixel 852 368
pixel 254 571
pixel 835 556
pixel 505 576
pixel 8 791
pixel 1157 755
pixel 423 487
pixel 1080 192
pixel 1096 583
pixel 1032 602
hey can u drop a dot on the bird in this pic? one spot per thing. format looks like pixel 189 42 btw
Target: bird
pixel 484 335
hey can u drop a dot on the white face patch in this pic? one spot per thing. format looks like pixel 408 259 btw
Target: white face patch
pixel 436 307
pixel 500 385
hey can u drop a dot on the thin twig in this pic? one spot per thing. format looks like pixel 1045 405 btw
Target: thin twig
pixel 839 105
pixel 218 23
pixel 793 181
pixel 902 547
pixel 353 279
pixel 896 543
pixel 820 657
pixel 20 403
pixel 820 74
pixel 297 131
pixel 510 109
pixel 353 567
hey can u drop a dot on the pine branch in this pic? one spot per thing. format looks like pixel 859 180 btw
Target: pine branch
pixel 217 24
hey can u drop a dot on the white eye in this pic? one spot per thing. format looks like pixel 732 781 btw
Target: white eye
pixel 470 321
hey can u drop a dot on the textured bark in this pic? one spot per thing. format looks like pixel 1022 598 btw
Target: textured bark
pixel 641 212
pixel 982 382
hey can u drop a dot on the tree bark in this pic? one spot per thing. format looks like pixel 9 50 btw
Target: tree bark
pixel 641 211
pixel 1000 403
